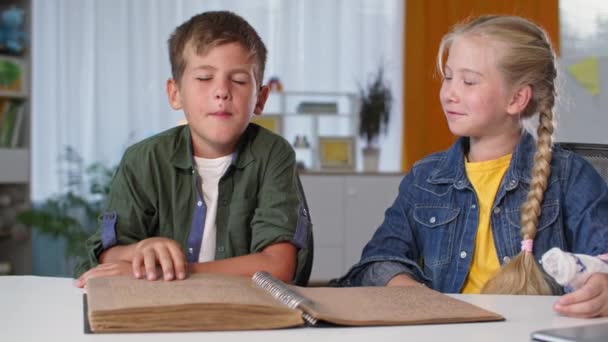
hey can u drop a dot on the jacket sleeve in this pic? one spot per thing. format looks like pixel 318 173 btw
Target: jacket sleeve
pixel 392 250
pixel 276 216
pixel 128 217
pixel 586 209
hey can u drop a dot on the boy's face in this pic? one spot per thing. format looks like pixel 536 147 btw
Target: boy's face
pixel 219 94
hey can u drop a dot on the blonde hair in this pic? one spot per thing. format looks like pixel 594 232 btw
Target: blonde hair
pixel 528 60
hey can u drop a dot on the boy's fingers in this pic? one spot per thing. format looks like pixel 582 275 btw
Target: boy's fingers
pixel 166 263
pixel 136 265
pixel 150 264
pixel 92 273
pixel 179 262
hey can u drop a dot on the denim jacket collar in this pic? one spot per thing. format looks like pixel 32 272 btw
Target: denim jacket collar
pixel 450 168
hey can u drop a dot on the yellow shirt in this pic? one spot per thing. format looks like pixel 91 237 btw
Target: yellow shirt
pixel 485 177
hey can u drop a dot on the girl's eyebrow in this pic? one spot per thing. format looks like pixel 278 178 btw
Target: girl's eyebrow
pixel 447 67
pixel 471 71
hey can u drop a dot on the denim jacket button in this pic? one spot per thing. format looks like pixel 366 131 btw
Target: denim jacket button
pixel 473 206
pixel 506 259
pixel 497 210
pixel 463 255
pixel 199 203
pixel 432 219
pixel 512 182
pixel 190 250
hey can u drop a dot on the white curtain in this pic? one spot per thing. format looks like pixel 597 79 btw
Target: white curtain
pixel 99 67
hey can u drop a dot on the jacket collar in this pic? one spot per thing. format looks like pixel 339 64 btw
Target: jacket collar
pixel 450 168
pixel 183 157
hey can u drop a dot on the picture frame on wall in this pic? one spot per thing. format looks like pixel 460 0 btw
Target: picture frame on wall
pixel 273 123
pixel 337 153
pixel 13 78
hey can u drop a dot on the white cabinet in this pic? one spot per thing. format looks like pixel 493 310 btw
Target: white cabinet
pixel 346 209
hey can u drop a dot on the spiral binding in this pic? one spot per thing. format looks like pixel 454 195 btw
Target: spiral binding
pixel 284 294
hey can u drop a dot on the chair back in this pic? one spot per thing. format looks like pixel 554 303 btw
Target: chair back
pixel 596 154
pixel 305 254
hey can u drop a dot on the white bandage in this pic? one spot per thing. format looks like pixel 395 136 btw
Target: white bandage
pixel 572 270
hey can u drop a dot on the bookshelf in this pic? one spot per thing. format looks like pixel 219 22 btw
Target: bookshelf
pixel 321 126
pixel 15 85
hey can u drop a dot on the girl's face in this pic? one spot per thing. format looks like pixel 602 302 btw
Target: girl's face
pixel 473 94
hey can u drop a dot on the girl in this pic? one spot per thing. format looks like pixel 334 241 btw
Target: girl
pixel 475 218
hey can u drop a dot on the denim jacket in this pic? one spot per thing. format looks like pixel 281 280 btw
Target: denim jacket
pixel 429 231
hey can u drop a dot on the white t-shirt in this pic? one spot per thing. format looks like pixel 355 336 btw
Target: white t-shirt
pixel 210 171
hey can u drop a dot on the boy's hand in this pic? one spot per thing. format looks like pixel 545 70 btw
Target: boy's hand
pixel 591 300
pixel 104 270
pixel 160 251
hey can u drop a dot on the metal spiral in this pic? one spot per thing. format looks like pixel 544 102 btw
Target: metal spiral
pixel 283 294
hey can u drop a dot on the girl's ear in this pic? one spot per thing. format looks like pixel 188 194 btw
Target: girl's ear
pixel 519 100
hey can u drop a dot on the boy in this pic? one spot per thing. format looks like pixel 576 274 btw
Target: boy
pixel 208 196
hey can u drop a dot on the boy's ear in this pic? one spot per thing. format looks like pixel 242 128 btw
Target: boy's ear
pixel 519 100
pixel 175 100
pixel 261 101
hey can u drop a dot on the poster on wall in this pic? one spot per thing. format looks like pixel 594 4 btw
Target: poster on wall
pixel 582 107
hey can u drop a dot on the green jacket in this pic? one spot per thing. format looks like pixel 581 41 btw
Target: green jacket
pixel 156 192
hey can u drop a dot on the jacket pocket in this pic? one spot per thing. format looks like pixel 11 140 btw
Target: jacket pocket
pixel 548 230
pixel 437 224
pixel 548 215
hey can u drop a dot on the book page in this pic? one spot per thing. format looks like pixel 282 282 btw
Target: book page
pixel 200 302
pixel 391 306
pixel 124 292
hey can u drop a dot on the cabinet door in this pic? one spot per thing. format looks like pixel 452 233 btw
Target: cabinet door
pixel 325 196
pixel 326 203
pixel 367 198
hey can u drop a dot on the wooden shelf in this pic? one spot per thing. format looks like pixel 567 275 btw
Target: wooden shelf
pixel 14 165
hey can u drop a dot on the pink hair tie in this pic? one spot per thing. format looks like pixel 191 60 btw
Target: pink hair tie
pixel 526 245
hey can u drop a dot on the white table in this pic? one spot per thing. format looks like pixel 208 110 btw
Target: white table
pixel 50 309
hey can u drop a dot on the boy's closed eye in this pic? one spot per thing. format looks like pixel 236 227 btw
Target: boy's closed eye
pixel 239 81
pixel 240 78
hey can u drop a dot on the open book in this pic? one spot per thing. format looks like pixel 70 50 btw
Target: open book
pixel 219 302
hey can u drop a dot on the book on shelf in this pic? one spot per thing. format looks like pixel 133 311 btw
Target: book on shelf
pixel 12 76
pixel 309 107
pixel 219 302
pixel 11 118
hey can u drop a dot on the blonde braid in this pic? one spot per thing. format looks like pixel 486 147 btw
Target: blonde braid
pixel 523 275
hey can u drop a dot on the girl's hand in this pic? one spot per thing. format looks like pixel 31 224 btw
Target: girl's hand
pixel 591 300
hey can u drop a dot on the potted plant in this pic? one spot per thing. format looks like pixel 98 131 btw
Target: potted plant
pixel 374 114
pixel 72 215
